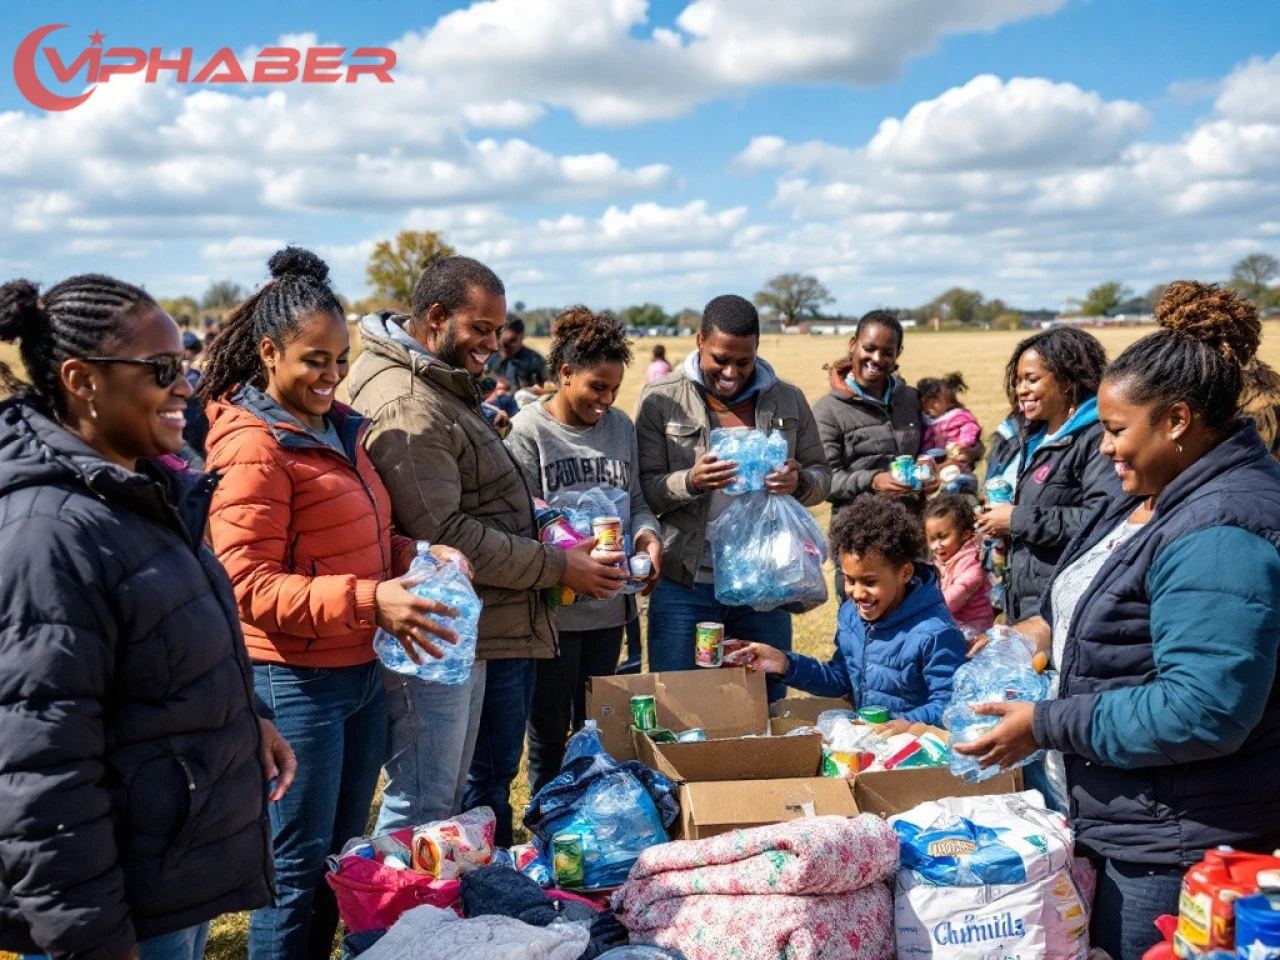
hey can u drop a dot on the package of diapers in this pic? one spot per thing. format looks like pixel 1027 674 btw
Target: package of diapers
pixel 990 878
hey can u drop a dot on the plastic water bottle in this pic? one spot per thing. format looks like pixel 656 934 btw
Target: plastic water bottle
pixel 447 584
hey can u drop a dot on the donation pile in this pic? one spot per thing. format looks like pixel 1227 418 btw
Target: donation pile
pixel 812 888
pixel 851 745
pixel 597 816
pixel 768 553
pixel 1003 671
pixel 992 876
pixel 445 583
pixel 756 453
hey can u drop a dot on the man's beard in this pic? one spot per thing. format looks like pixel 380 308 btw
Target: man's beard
pixel 448 352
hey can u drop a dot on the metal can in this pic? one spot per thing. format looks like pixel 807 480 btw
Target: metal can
pixel 609 537
pixel 999 490
pixel 708 644
pixel 567 859
pixel 661 735
pixel 692 735
pixel 874 714
pixel 644 712
pixel 903 470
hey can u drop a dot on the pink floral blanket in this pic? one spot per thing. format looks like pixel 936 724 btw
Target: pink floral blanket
pixel 811 889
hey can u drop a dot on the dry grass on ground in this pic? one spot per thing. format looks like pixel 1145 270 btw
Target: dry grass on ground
pixel 981 357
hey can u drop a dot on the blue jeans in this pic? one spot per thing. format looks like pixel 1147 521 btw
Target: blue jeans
pixel 1130 896
pixel 675 611
pixel 185 944
pixel 336 721
pixel 432 737
pixel 508 695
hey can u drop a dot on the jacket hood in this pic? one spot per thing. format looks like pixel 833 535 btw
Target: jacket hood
pixel 762 378
pixel 248 408
pixel 35 451
pixel 387 343
pixel 923 600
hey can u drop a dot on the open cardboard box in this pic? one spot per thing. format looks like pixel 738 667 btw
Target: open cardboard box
pixel 728 704
pixel 709 809
pixel 795 712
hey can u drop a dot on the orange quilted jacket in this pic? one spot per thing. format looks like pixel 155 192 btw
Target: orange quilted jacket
pixel 303 531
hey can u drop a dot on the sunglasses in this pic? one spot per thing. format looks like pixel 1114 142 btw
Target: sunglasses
pixel 166 369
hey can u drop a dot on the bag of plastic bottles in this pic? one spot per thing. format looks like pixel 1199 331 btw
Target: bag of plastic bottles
pixel 768 552
pixel 582 507
pixel 757 454
pixel 1002 671
pixel 446 583
pixel 619 810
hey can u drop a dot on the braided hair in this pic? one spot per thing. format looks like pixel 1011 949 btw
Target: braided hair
pixel 74 318
pixel 582 339
pixel 1074 357
pixel 1209 335
pixel 299 286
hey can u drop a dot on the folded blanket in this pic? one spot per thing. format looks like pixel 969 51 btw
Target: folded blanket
pixel 848 926
pixel 809 857
pixel 429 931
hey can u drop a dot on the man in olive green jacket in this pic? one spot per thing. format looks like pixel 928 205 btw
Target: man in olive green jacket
pixel 452 481
pixel 721 384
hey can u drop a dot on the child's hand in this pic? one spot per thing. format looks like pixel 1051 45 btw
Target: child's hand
pixel 758 658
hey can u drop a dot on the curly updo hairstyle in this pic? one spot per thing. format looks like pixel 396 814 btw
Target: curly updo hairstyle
pixel 299 286
pixel 78 317
pixel 880 526
pixel 1208 335
pixel 949 387
pixel 582 339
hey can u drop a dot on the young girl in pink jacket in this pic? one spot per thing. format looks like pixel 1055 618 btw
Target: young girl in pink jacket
pixel 946 420
pixel 953 541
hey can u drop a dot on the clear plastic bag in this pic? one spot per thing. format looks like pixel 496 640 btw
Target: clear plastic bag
pixel 582 507
pixel 447 583
pixel 768 552
pixel 757 454
pixel 619 810
pixel 1001 672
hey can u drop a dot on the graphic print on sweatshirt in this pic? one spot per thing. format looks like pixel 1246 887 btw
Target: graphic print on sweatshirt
pixel 568 472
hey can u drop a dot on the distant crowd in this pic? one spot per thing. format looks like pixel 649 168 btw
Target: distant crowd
pixel 198 543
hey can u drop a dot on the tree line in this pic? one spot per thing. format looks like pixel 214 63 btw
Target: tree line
pixel 787 299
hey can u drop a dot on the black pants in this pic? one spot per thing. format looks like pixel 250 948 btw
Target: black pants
pixel 560 696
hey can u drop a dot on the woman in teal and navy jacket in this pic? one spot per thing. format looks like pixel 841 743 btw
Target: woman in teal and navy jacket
pixel 1164 618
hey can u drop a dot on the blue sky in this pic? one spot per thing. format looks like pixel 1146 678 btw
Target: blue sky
pixel 612 152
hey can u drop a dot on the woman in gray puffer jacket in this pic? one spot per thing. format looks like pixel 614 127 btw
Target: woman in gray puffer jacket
pixel 134 773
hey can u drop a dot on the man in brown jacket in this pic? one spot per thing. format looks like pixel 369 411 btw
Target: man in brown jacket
pixel 721 384
pixel 453 482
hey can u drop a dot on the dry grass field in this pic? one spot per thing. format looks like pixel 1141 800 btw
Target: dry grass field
pixel 980 356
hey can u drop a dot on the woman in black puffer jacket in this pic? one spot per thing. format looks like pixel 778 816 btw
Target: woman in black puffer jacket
pixel 133 769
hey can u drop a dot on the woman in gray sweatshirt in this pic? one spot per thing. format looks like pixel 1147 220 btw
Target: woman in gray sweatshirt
pixel 574 440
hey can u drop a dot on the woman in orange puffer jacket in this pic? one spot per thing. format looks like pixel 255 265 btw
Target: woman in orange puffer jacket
pixel 302 524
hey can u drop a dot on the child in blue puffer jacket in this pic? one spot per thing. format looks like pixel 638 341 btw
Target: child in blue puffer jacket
pixel 896 644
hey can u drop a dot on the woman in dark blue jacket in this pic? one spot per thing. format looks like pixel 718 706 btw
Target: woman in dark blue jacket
pixel 133 770
pixel 1164 618
pixel 1048 452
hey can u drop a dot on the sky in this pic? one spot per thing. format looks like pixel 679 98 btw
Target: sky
pixel 614 152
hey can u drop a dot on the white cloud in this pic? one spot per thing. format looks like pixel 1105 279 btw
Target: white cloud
pixel 1026 122
pixel 1252 93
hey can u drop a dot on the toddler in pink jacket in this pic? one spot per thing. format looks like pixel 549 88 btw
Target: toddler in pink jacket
pixel 946 421
pixel 953 541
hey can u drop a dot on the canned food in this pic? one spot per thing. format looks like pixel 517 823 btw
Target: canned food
pixel 874 714
pixel 692 735
pixel 644 712
pixel 708 644
pixel 999 490
pixel 609 537
pixel 567 859
pixel 661 735
pixel 903 470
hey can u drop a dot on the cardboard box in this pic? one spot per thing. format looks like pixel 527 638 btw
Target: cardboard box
pixel 795 712
pixel 708 809
pixel 889 792
pixel 728 704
